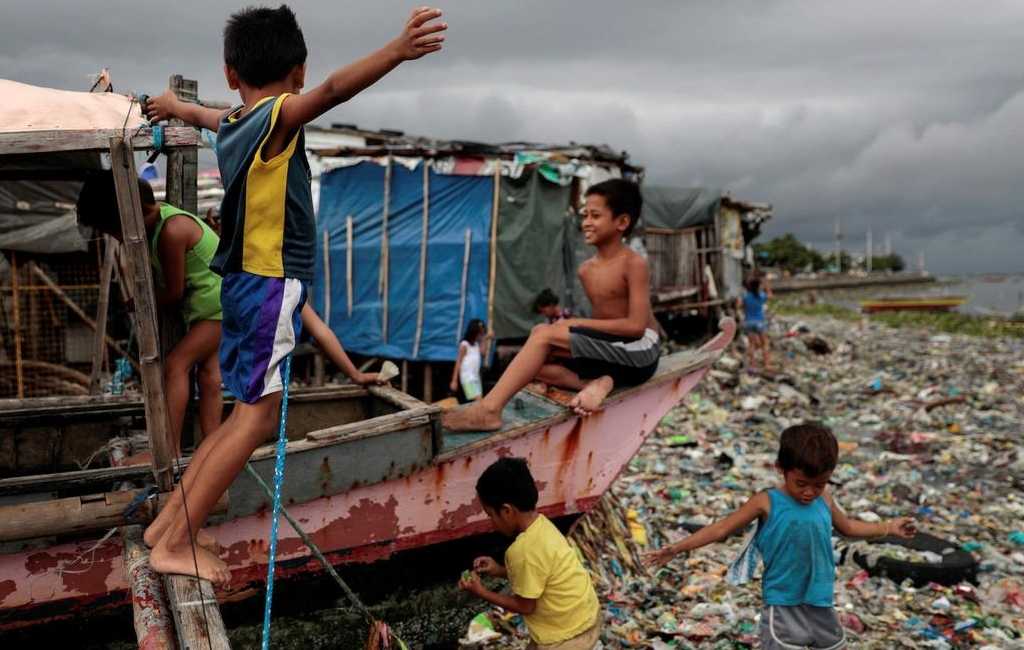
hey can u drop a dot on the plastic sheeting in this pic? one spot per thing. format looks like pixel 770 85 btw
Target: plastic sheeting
pixel 532 250
pixel 679 207
pixel 457 204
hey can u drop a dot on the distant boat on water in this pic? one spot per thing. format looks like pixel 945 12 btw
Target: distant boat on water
pixel 912 303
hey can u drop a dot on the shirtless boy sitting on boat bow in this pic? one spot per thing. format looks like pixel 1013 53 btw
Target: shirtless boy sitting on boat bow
pixel 617 347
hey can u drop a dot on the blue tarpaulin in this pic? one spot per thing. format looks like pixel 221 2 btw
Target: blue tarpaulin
pixel 456 204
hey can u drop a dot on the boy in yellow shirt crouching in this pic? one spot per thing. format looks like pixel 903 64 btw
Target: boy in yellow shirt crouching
pixel 550 587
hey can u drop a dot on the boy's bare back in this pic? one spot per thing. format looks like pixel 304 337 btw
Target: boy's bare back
pixel 608 284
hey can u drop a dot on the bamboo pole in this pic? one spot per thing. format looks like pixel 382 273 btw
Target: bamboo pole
pixel 137 253
pixel 385 256
pixel 494 253
pixel 17 325
pixel 73 306
pixel 99 341
pixel 465 284
pixel 327 278
pixel 349 236
pixel 423 258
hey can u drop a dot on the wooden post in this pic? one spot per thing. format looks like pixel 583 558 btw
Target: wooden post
pixel 154 626
pixel 428 383
pixel 99 341
pixel 136 246
pixel 189 598
pixel 349 236
pixel 494 253
pixel 327 278
pixel 16 297
pixel 423 258
pixel 405 376
pixel 182 164
pixel 73 306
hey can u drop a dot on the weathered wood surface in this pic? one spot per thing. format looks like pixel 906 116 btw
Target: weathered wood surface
pixel 16 299
pixel 136 245
pixel 197 618
pixel 77 514
pixel 151 612
pixel 22 142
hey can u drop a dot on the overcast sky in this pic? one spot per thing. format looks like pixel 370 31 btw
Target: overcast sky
pixel 906 117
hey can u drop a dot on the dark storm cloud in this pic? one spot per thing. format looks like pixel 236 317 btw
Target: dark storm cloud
pixel 903 117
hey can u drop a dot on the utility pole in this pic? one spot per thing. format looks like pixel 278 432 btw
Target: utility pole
pixel 867 260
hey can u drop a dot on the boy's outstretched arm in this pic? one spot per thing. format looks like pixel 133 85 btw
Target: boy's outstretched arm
pixel 848 527
pixel 167 106
pixel 331 346
pixel 638 281
pixel 757 506
pixel 421 36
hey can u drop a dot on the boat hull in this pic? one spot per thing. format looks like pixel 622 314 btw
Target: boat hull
pixel 574 461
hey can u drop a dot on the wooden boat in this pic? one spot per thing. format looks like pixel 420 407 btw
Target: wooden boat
pixel 915 303
pixel 386 479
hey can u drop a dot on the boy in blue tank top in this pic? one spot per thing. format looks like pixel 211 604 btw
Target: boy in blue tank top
pixel 267 242
pixel 794 538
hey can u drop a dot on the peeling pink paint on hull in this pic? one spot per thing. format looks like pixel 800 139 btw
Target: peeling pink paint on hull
pixel 574 463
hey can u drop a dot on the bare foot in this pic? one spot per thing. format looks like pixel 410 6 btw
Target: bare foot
pixel 180 561
pixel 475 417
pixel 157 529
pixel 589 399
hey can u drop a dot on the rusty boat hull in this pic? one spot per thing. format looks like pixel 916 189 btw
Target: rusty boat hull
pixel 366 491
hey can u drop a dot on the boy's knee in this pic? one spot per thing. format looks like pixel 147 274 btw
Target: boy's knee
pixel 542 332
pixel 208 378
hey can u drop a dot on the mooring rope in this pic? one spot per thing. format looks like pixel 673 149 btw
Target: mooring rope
pixel 282 444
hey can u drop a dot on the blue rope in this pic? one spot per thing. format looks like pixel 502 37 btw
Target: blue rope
pixel 282 441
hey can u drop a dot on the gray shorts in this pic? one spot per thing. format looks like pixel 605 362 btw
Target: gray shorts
pixel 628 362
pixel 800 627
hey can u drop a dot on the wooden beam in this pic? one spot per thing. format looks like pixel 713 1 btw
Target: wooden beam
pixel 151 613
pixel 136 246
pixel 99 341
pixel 92 139
pixel 423 260
pixel 186 90
pixel 385 250
pixel 77 514
pixel 73 306
pixel 17 325
pixel 197 617
pixel 428 382
pixel 495 208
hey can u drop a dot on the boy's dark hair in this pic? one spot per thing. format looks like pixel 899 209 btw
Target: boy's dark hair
pixel 810 447
pixel 545 298
pixel 474 330
pixel 754 284
pixel 263 45
pixel 622 197
pixel 507 480
pixel 97 202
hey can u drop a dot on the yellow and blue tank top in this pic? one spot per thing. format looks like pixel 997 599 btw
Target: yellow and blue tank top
pixel 267 223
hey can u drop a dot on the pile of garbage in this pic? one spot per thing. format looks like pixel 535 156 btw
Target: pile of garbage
pixel 930 426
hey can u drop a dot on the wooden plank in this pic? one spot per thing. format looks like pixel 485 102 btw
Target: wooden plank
pixel 188 197
pixel 136 246
pixel 349 279
pixel 151 613
pixel 73 306
pixel 365 429
pixel 425 230
pixel 385 248
pixel 99 341
pixel 17 324
pixel 465 285
pixel 196 615
pixel 327 278
pixel 21 142
pixel 76 514
pixel 428 382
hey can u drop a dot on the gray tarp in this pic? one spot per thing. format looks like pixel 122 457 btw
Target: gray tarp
pixel 531 250
pixel 39 217
pixel 679 207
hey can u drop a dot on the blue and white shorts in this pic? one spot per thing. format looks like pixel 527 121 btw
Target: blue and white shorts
pixel 262 322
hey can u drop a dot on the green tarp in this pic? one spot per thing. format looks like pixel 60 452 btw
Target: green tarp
pixel 679 207
pixel 532 221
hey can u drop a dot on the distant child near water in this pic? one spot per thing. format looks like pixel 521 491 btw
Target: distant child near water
pixel 467 365
pixel 546 304
pixel 550 587
pixel 794 538
pixel 755 297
